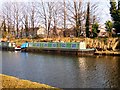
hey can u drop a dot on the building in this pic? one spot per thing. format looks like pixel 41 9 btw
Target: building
pixel 56 33
pixel 36 32
pixel 103 32
pixel 41 32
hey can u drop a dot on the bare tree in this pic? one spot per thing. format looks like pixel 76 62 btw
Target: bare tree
pixel 7 15
pixel 16 13
pixel 47 14
pixel 55 14
pixel 29 19
pixel 76 15
pixel 57 9
pixel 65 16
pixel 32 17
pixel 55 21
pixel 94 14
pixel 26 25
pixel 44 14
pixel 50 8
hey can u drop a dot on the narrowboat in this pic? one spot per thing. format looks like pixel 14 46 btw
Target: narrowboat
pixel 78 48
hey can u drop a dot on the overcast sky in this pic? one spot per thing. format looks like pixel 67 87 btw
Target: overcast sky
pixel 103 7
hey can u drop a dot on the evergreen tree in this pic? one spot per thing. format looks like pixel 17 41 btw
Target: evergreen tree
pixel 88 20
pixel 26 26
pixel 115 14
pixel 3 29
pixel 4 26
pixel 95 29
pixel 109 26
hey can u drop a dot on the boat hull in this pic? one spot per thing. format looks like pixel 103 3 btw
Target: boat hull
pixel 60 51
pixel 17 49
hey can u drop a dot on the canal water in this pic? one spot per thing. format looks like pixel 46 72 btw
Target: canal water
pixel 63 71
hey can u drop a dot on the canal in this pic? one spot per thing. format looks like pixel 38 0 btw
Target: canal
pixel 63 71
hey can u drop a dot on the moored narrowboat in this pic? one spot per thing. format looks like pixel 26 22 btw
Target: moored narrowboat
pixel 78 48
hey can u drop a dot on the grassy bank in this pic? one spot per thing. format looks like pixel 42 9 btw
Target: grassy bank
pixel 13 82
pixel 101 43
pixel 98 43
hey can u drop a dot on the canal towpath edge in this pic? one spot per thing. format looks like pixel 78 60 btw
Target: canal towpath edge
pixel 13 82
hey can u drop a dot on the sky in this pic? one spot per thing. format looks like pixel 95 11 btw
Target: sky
pixel 104 11
pixel 103 7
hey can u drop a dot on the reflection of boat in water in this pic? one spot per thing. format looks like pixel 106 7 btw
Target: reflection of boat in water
pixel 78 48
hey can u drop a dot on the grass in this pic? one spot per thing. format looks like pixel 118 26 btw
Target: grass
pixel 13 82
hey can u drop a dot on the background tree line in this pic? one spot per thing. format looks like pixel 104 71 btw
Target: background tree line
pixel 113 25
pixel 82 16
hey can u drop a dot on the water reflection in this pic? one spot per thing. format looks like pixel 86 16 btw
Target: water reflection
pixel 64 71
pixel 100 72
pixel 82 64
pixel 118 72
pixel 83 73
